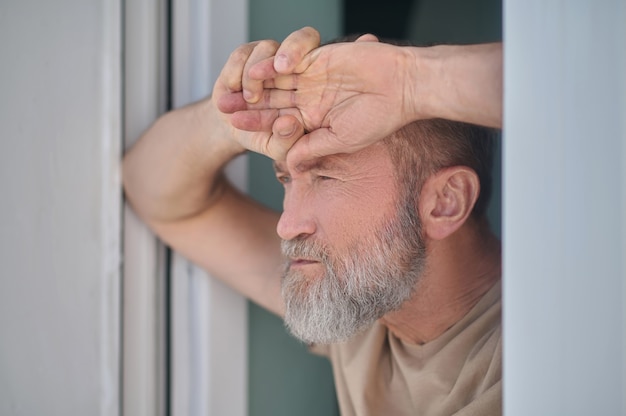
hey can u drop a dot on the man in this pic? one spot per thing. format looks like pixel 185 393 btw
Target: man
pixel 387 263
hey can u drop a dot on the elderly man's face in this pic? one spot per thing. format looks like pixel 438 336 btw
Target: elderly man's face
pixel 352 242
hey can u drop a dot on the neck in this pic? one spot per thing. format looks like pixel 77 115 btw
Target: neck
pixel 460 270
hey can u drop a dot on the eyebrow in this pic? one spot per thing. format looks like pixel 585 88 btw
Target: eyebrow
pixel 322 163
pixel 319 163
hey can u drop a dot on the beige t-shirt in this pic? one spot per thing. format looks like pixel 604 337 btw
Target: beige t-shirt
pixel 458 374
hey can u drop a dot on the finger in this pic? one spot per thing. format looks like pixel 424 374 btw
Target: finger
pixel 254 120
pixel 318 143
pixel 284 82
pixel 294 48
pixel 286 131
pixel 265 120
pixel 263 70
pixel 288 126
pixel 229 102
pixel 368 37
pixel 269 83
pixel 252 88
pixel 232 72
pixel 271 97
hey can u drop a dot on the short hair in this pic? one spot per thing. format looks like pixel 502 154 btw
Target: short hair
pixel 424 147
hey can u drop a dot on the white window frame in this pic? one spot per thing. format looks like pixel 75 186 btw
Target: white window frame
pixel 206 373
pixel 209 320
pixel 144 364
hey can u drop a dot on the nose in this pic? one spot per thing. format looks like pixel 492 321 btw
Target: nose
pixel 297 219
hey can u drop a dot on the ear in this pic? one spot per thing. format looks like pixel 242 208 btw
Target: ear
pixel 447 199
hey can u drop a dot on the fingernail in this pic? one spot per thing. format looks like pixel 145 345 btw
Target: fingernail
pixel 287 130
pixel 281 63
pixel 247 95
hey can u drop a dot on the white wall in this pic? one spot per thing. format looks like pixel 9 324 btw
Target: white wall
pixel 565 207
pixel 59 207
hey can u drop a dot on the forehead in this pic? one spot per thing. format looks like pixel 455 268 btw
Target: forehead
pixel 368 158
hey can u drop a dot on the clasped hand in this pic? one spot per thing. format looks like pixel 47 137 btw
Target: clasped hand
pixel 302 101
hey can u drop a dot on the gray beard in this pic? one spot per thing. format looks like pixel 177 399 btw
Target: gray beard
pixel 376 276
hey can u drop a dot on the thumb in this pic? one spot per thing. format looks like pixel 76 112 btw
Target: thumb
pixel 318 143
pixel 286 131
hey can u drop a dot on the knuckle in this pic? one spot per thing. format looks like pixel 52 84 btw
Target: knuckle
pixel 267 45
pixel 311 32
pixel 240 54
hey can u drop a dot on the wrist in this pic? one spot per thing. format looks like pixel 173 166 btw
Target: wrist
pixel 425 83
pixel 462 83
pixel 218 135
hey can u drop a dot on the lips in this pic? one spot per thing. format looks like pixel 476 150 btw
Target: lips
pixel 301 253
pixel 302 262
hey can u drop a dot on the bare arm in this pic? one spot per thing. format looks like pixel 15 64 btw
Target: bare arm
pixel 173 179
pixel 462 83
pixel 350 95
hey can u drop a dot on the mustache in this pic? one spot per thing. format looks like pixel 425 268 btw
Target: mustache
pixel 304 248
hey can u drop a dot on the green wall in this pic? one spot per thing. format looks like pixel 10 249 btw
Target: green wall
pixel 284 379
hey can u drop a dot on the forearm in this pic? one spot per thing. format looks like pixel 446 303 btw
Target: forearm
pixel 174 169
pixel 462 83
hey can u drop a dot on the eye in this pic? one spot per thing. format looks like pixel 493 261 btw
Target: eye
pixel 284 179
pixel 324 178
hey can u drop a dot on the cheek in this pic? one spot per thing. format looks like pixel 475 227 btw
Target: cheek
pixel 349 219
